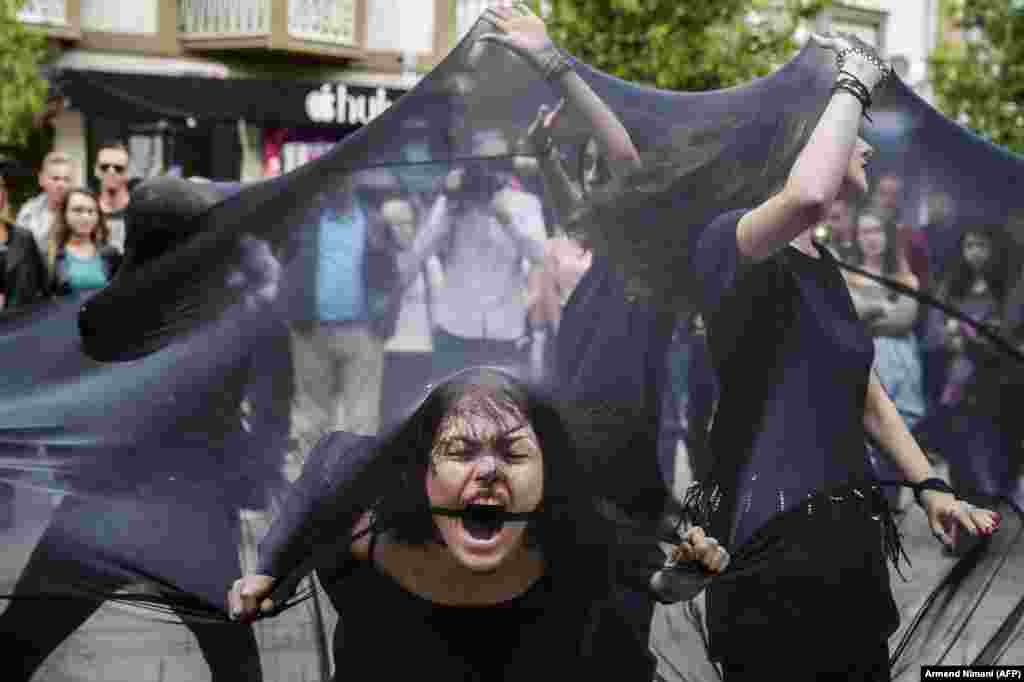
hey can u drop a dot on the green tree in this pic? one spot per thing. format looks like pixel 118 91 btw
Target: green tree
pixel 681 44
pixel 22 88
pixel 978 68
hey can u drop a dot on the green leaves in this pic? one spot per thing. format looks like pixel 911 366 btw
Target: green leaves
pixel 681 44
pixel 978 71
pixel 22 87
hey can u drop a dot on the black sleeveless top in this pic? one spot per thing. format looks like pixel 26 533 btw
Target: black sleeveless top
pixel 386 632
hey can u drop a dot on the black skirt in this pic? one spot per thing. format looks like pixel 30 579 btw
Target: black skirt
pixel 810 590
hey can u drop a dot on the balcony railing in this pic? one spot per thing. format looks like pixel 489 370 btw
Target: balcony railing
pixel 199 18
pixel 323 21
pixel 56 18
pixel 44 12
pixel 323 27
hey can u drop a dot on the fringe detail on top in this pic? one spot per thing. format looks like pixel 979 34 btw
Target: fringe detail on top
pixel 701 503
pixel 703 500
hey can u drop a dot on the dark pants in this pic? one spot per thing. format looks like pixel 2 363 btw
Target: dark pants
pixel 88 548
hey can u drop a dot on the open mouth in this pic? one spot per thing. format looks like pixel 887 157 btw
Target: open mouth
pixel 483 521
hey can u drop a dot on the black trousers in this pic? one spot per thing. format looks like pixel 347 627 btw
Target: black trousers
pixel 177 537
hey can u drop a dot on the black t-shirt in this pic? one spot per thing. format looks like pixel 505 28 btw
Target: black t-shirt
pixel 793 362
pixel 611 354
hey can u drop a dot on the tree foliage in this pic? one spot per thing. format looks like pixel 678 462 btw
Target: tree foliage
pixel 22 88
pixel 978 69
pixel 682 44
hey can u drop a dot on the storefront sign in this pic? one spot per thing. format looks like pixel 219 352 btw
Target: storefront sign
pixel 337 103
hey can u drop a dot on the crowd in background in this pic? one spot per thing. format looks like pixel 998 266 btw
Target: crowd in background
pixel 65 241
pixel 409 273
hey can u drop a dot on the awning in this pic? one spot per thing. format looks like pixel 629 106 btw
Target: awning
pixel 147 97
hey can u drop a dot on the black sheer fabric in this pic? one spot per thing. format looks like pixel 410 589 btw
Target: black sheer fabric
pixel 150 437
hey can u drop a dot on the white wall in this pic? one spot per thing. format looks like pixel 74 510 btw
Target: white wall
pixel 409 29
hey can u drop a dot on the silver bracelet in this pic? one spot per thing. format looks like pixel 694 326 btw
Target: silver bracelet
pixel 883 68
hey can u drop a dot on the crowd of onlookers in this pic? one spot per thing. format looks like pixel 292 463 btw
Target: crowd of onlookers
pixel 66 240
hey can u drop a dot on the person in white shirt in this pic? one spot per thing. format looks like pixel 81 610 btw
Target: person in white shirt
pixel 487 232
pixel 38 213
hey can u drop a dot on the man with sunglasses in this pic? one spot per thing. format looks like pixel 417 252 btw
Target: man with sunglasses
pixel 112 172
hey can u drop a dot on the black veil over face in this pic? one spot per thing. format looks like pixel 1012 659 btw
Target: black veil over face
pixel 150 432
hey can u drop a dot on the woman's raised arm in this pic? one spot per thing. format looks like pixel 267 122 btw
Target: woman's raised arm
pixel 523 32
pixel 832 152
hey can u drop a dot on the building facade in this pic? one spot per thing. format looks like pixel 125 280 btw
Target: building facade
pixel 299 76
pixel 303 73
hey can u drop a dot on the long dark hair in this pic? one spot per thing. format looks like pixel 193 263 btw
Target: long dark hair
pixel 893 244
pixel 575 538
pixel 648 219
pixel 996 272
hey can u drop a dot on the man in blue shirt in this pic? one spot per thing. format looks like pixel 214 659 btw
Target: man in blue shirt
pixel 338 347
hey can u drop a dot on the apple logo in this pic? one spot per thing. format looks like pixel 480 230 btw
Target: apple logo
pixel 320 104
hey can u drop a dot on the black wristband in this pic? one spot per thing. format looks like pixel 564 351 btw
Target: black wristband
pixel 858 90
pixel 863 94
pixel 931 484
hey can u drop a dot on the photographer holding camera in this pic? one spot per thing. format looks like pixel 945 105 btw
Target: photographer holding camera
pixel 484 228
